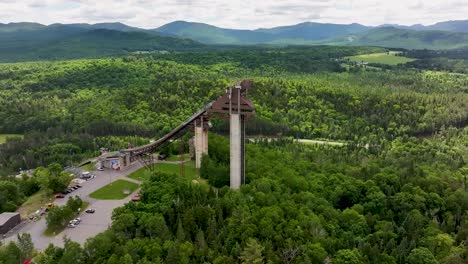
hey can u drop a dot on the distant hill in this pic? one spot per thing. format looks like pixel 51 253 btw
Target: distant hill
pixel 301 32
pixel 32 34
pixel 29 26
pixel 453 26
pixel 313 31
pixel 404 38
pixel 11 27
pixel 213 35
pixel 68 42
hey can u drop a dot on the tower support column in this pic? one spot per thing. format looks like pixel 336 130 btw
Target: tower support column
pixel 200 141
pixel 205 140
pixel 236 151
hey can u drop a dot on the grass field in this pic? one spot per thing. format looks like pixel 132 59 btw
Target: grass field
pixel 3 137
pixel 114 190
pixel 89 166
pixel 139 175
pixel 33 203
pixel 177 157
pixel 382 58
pixel 190 171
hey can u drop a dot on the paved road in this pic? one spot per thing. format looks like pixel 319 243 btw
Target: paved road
pixel 91 224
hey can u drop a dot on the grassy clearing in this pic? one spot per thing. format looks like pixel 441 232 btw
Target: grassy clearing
pixel 53 232
pixel 177 157
pixel 114 190
pixel 190 171
pixel 3 137
pixel 89 166
pixel 33 203
pixel 140 174
pixel 382 58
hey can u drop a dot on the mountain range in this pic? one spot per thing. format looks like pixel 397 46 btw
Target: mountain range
pixel 31 41
pixel 454 25
pixel 444 35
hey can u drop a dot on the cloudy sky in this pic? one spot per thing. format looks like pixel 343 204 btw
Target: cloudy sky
pixel 246 14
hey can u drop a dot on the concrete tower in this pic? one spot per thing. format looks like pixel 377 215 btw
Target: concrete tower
pixel 238 108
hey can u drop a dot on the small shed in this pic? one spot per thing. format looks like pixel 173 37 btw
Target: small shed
pixel 8 221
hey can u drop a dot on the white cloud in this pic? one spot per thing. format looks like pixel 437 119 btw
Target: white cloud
pixel 233 13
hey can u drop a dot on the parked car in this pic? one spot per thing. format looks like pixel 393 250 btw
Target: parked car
pixel 100 169
pixel 79 186
pixel 90 211
pixel 59 195
pixel 75 221
pixel 71 225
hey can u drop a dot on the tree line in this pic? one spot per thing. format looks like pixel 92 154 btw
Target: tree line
pixel 405 204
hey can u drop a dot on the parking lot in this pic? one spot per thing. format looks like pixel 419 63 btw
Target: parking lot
pixel 91 224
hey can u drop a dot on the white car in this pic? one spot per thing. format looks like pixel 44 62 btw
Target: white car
pixel 75 221
pixel 100 169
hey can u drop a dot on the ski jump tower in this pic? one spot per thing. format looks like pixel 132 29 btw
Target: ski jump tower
pixel 235 107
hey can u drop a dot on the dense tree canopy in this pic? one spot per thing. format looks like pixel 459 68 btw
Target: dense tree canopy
pixel 406 204
pixel 394 192
pixel 70 103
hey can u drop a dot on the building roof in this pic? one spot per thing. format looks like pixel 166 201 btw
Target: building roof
pixel 4 217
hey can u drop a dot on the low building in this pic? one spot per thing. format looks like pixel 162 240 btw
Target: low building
pixel 113 160
pixel 8 221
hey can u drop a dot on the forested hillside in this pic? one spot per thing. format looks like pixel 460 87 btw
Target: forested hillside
pixel 394 192
pixel 407 39
pixel 406 204
pixel 149 96
pixel 60 42
pixel 307 31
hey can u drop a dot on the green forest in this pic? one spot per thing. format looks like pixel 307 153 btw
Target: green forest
pixel 395 192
